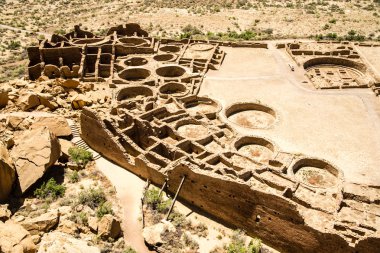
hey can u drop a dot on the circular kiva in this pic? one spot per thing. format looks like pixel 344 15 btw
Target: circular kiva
pixel 164 57
pixel 334 61
pixel 134 41
pixel 251 115
pixel 170 49
pixel 90 41
pixel 256 148
pixel 316 173
pixel 173 89
pixel 133 92
pixel 201 47
pixel 202 105
pixel 136 61
pixel 170 71
pixel 134 74
pixel 192 130
pixel 334 73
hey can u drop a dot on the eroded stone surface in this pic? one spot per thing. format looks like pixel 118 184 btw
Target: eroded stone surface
pixel 34 152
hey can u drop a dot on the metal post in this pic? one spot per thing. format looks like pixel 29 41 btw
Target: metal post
pixel 175 197
pixel 162 188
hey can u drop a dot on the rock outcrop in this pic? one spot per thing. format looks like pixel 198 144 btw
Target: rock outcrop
pixel 57 242
pixel 153 235
pixel 109 227
pixel 34 152
pixel 57 125
pixel 3 98
pixel 28 101
pixel 15 239
pixel 42 223
pixel 7 173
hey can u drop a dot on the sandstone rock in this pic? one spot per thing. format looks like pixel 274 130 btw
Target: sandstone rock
pixel 93 224
pixel 5 213
pixel 70 83
pixel 28 101
pixel 84 87
pixel 3 98
pixel 153 234
pixel 58 242
pixel 7 173
pixel 19 83
pixel 7 138
pixel 36 239
pixel 18 122
pixel 14 238
pixel 47 100
pixel 34 152
pixel 42 223
pixel 109 227
pixel 80 101
pixel 68 227
pixel 43 79
pixel 56 124
pixel 65 145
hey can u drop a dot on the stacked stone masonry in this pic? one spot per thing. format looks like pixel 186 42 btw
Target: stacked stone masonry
pixel 161 130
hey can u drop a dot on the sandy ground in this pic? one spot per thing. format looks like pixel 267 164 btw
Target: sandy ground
pixel 372 54
pixel 340 126
pixel 129 190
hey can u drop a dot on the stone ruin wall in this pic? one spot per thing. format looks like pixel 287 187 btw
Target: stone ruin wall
pixel 266 210
pixel 342 55
pixel 155 96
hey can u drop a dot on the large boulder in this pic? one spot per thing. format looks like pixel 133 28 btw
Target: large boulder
pixel 3 98
pixel 7 173
pixel 58 242
pixel 34 152
pixel 42 223
pixel 57 125
pixel 153 235
pixel 14 238
pixel 109 227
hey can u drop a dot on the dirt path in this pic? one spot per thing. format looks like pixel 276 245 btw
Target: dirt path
pixel 129 190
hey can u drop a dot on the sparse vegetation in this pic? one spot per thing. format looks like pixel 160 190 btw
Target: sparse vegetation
pixel 238 245
pixel 79 155
pixel 129 250
pixel 155 201
pixel 103 209
pixel 74 177
pixel 50 189
pixel 92 197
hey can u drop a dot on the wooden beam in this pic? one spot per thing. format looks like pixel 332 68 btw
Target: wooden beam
pixel 175 197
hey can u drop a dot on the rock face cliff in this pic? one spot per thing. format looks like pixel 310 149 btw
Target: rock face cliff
pixel 34 152
pixel 7 173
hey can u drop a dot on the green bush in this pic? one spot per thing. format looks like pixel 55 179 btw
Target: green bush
pixel 177 219
pixel 79 218
pixel 92 197
pixel 152 197
pixel 74 177
pixel 13 45
pixel 129 250
pixel 103 209
pixel 79 155
pixel 50 189
pixel 155 201
pixel 237 244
